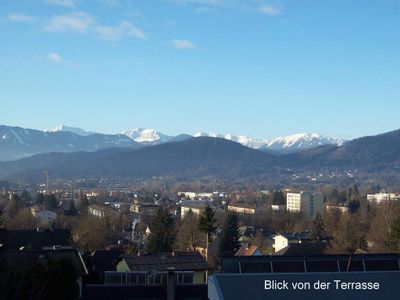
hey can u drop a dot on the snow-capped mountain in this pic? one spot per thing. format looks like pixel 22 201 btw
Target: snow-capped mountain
pixel 75 130
pixel 289 143
pixel 241 139
pixel 301 141
pixel 17 142
pixel 148 136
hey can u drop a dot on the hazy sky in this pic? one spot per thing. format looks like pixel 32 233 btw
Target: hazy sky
pixel 257 68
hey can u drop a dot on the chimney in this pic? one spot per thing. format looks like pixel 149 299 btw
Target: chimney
pixel 171 283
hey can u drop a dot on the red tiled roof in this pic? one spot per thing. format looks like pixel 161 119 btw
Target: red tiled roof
pixel 246 251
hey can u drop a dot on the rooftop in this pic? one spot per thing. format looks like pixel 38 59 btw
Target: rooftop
pixel 179 261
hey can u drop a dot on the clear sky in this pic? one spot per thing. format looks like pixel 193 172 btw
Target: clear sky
pixel 253 67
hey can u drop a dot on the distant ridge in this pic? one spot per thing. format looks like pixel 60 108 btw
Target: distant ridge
pixel 210 158
pixel 17 142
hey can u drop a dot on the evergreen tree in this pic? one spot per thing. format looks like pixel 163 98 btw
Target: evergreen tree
pixel 278 198
pixel 317 230
pixel 342 197
pixel 354 205
pixel 207 222
pixel 162 232
pixel 71 211
pixel 335 198
pixel 229 242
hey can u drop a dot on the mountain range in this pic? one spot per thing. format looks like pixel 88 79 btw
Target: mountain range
pixel 206 157
pixel 17 142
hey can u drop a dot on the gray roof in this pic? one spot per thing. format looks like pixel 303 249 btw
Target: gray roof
pixel 180 261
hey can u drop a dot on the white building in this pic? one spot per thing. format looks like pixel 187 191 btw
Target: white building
pixel 195 206
pixel 241 209
pixel 283 240
pixel 188 195
pixel 306 203
pixel 43 216
pixel 382 197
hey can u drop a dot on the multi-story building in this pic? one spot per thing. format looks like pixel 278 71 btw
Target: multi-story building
pixel 144 209
pixel 306 203
pixel 196 206
pixel 382 197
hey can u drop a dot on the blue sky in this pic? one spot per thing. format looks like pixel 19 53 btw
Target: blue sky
pixel 256 67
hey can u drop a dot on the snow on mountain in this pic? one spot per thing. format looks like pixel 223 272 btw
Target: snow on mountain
pixel 294 142
pixel 301 141
pixel 143 135
pixel 241 139
pixel 75 130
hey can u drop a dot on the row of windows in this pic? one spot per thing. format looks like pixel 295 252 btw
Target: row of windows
pixel 134 278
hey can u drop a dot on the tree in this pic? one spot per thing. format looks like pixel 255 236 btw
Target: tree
pixel 317 230
pixel 22 220
pixel 92 233
pixel 207 222
pixel 347 234
pixel 334 197
pixel 278 198
pixel 71 211
pixel 393 241
pixel 188 237
pixel 162 232
pixel 383 221
pixel 229 242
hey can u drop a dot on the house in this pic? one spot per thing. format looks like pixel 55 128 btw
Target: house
pixel 188 195
pixel 144 209
pixel 43 216
pixel 246 233
pixel 251 250
pixel 39 239
pixel 21 250
pixel 315 248
pixel 283 240
pixel 101 211
pixel 101 261
pixel 191 265
pixel 26 260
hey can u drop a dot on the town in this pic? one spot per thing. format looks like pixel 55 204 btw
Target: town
pixel 122 235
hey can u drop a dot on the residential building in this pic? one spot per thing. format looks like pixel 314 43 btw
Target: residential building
pixel 188 195
pixel 144 209
pixel 43 216
pixel 342 208
pixel 251 250
pixel 306 203
pixel 242 209
pixel 97 211
pixel 382 197
pixel 283 240
pixel 196 207
pixel 191 266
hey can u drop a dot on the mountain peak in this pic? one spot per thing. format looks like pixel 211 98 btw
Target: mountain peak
pixel 75 130
pixel 146 135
